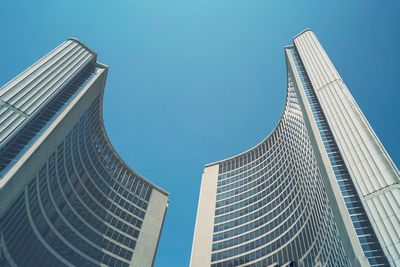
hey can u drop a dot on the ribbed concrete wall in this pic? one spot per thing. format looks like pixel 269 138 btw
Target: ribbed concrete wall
pixel 66 197
pixel 373 172
pixel 270 205
pixel 360 181
pixel 29 91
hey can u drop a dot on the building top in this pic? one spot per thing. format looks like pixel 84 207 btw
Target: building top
pixel 273 130
pixel 118 157
pixel 82 44
pixel 304 31
pixel 70 66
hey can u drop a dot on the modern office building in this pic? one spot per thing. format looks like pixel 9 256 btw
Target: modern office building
pixel 320 190
pixel 66 197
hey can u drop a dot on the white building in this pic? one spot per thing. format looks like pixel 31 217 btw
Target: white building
pixel 320 190
pixel 66 197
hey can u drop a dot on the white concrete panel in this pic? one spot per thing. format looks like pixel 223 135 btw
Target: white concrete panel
pixel 203 233
pixel 372 170
pixel 346 230
pixel 146 247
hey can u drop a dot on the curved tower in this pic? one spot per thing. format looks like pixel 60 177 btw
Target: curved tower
pixel 320 190
pixel 66 197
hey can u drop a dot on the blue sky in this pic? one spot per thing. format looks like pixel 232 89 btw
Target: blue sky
pixel 191 82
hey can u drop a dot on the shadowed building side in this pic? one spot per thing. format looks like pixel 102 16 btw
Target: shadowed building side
pixel 310 193
pixel 270 205
pixel 66 197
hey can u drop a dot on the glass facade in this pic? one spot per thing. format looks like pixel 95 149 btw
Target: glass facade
pixel 36 122
pixel 82 205
pixel 319 190
pixel 270 208
pixel 365 233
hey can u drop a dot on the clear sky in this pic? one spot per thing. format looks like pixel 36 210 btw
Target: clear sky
pixel 191 82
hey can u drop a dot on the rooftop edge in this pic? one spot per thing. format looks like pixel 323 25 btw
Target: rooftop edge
pixel 304 31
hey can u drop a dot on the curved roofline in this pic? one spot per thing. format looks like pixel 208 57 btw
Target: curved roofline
pixel 304 31
pixel 114 151
pixel 272 131
pixel 255 146
pixel 76 40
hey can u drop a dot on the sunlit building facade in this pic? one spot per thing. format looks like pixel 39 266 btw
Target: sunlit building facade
pixel 66 197
pixel 320 190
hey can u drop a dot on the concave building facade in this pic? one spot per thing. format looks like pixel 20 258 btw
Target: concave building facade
pixel 320 190
pixel 66 197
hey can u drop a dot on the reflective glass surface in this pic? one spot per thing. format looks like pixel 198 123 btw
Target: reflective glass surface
pixel 84 207
pixel 271 204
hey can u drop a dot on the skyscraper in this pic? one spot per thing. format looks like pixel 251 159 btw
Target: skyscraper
pixel 320 190
pixel 66 197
